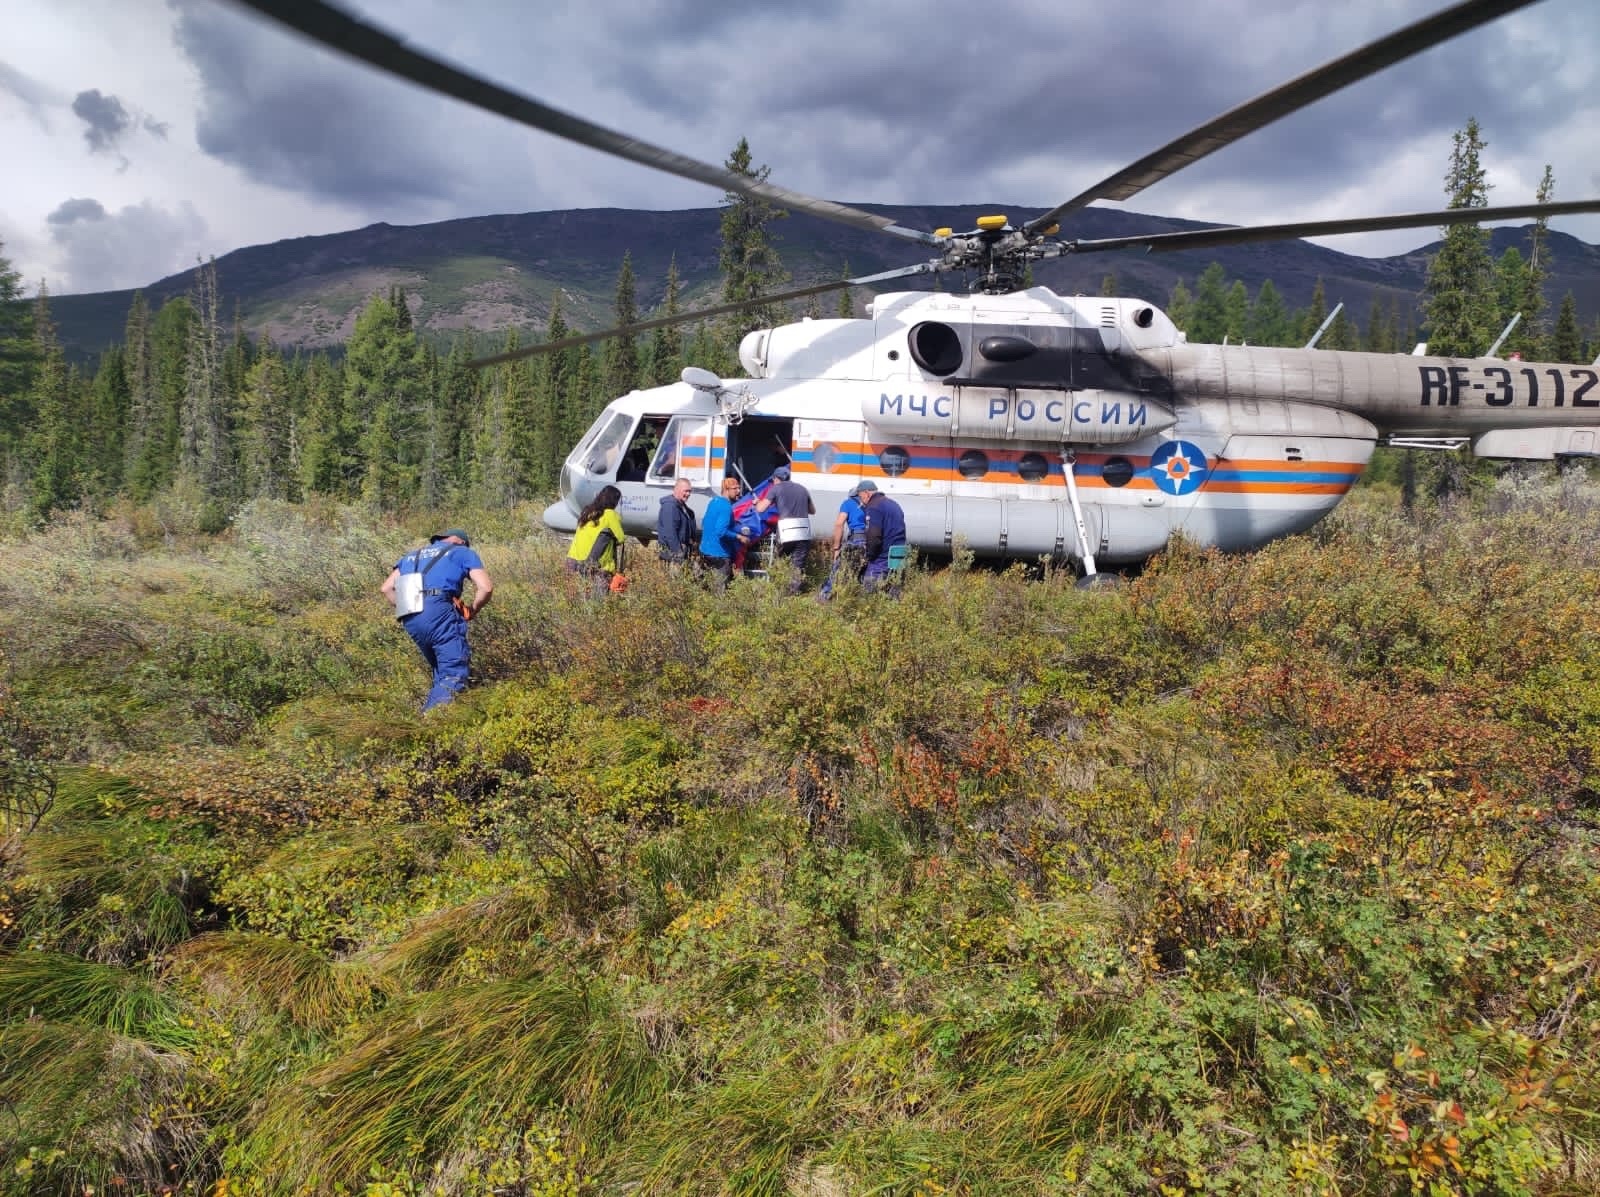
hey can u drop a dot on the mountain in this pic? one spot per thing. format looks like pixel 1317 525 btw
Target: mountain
pixel 490 274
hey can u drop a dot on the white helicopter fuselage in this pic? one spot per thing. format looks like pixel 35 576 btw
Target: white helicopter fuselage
pixel 1033 424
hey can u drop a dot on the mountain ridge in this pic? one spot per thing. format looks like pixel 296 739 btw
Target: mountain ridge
pixel 490 274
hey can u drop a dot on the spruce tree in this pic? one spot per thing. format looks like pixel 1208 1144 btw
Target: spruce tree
pixel 105 423
pixel 1311 319
pixel 1180 305
pixel 205 450
pixel 384 398
pixel 1208 319
pixel 266 430
pixel 666 344
pixel 1236 313
pixel 54 444
pixel 1460 299
pixel 622 352
pixel 1378 338
pixel 1565 343
pixel 328 462
pixel 846 309
pixel 1538 269
pixel 751 268
pixel 138 372
pixel 17 364
pixel 1269 319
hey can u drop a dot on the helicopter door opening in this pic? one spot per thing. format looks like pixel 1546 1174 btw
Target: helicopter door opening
pixel 757 445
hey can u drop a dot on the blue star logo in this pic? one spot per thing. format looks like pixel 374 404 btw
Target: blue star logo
pixel 1178 467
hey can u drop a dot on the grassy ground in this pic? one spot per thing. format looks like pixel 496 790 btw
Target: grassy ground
pixel 1264 874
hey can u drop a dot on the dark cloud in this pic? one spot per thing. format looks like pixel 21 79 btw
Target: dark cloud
pixel 107 119
pixel 101 250
pixel 73 210
pixel 897 101
pixel 297 117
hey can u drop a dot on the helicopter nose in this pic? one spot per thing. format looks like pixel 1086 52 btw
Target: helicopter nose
pixel 559 517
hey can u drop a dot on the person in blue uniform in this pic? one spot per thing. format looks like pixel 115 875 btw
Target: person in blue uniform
pixel 849 541
pixel 438 625
pixel 886 528
pixel 720 538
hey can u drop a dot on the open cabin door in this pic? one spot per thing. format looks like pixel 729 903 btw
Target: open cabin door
pixel 757 445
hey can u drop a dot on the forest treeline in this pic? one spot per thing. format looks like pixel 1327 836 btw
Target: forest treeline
pixel 189 405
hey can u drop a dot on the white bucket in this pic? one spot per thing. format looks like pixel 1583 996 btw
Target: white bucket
pixel 793 531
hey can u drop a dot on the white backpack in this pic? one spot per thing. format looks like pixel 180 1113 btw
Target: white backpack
pixel 408 587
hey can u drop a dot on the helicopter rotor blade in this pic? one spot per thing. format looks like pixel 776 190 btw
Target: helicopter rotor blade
pixel 1280 102
pixel 699 314
pixel 328 25
pixel 1240 235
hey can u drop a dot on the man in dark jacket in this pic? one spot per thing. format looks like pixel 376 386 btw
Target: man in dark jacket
pixel 676 533
pixel 886 528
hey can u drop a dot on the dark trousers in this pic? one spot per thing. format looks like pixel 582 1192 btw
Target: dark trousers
pixel 796 551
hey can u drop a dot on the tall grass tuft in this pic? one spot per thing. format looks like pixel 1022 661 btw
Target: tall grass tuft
pixel 86 1106
pixel 62 988
pixel 281 976
pixel 428 1074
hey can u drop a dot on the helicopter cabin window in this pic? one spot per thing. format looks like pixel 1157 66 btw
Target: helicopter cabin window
pixel 973 464
pixel 605 452
pixel 1032 467
pixel 894 460
pixel 1118 471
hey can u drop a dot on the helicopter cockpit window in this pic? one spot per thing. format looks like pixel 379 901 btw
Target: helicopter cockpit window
pixel 895 461
pixel 605 452
pixel 936 347
pixel 973 464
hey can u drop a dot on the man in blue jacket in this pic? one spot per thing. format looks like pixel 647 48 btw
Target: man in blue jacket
pixel 886 528
pixel 425 588
pixel 719 538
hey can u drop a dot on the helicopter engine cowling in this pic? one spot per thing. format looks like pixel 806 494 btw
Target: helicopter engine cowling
pixel 1054 417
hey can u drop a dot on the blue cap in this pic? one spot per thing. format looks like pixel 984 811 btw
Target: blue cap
pixel 865 485
pixel 781 473
pixel 448 533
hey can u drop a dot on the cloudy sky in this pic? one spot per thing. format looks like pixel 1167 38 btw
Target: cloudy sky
pixel 140 135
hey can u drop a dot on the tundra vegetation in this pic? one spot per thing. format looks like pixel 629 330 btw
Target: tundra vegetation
pixel 1257 874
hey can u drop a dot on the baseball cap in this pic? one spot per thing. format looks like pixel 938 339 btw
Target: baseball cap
pixel 781 473
pixel 449 532
pixel 859 487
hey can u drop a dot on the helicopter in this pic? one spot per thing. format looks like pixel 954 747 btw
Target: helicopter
pixel 1010 421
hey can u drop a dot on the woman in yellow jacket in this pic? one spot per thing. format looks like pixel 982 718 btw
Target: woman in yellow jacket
pixel 597 545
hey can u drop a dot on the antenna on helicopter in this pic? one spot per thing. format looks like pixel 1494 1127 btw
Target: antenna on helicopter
pixel 1516 318
pixel 1333 315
